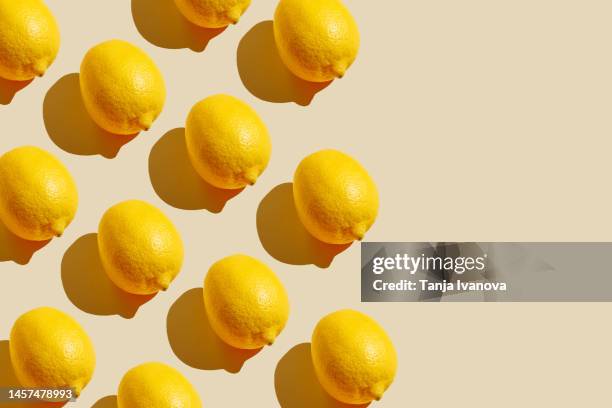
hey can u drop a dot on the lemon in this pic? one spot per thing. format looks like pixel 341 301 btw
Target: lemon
pixel 140 249
pixel 38 197
pixel 213 13
pixel 49 349
pixel 29 39
pixel 246 303
pixel 156 385
pixel 122 89
pixel 335 198
pixel 318 40
pixel 228 143
pixel 353 357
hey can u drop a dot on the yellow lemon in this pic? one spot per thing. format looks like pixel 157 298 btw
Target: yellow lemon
pixel 335 197
pixel 156 385
pixel 353 357
pixel 213 13
pixel 228 143
pixel 246 303
pixel 29 39
pixel 122 89
pixel 49 349
pixel 140 249
pixel 38 197
pixel 318 40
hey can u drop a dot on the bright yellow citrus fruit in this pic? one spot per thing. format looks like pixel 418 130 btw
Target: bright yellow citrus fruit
pixel 38 197
pixel 29 39
pixel 353 357
pixel 228 143
pixel 318 40
pixel 49 349
pixel 246 303
pixel 156 385
pixel 140 249
pixel 213 13
pixel 335 197
pixel 123 91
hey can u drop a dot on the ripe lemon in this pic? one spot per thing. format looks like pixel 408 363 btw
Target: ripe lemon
pixel 335 198
pixel 49 349
pixel 318 40
pixel 38 197
pixel 29 39
pixel 246 303
pixel 228 143
pixel 122 89
pixel 156 385
pixel 140 249
pixel 353 357
pixel 213 13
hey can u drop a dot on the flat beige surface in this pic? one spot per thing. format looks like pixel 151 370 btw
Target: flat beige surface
pixel 479 120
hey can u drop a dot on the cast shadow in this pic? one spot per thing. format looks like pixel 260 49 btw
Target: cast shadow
pixel 87 285
pixel 69 125
pixel 162 24
pixel 110 401
pixel 263 73
pixel 9 380
pixel 193 341
pixel 8 89
pixel 175 180
pixel 284 237
pixel 296 383
pixel 16 249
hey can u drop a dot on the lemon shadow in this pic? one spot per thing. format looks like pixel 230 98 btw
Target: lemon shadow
pixel 16 249
pixel 162 24
pixel 263 73
pixel 8 89
pixel 296 383
pixel 87 285
pixel 193 341
pixel 69 125
pixel 175 180
pixel 284 237
pixel 9 380
pixel 110 401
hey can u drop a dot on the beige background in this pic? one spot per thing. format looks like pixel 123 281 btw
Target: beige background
pixel 479 120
